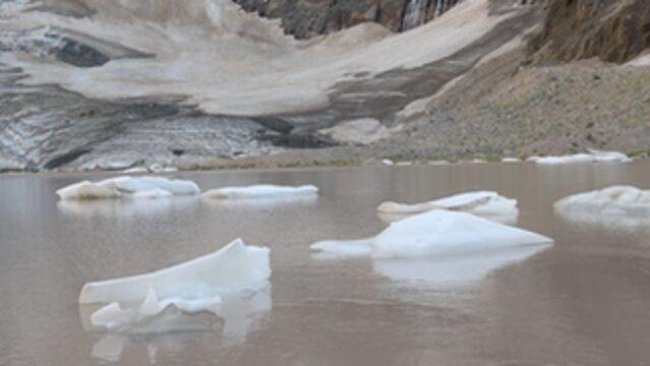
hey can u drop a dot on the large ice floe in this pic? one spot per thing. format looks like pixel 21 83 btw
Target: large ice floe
pixel 486 204
pixel 625 206
pixel 593 156
pixel 128 187
pixel 265 191
pixel 202 284
pixel 436 233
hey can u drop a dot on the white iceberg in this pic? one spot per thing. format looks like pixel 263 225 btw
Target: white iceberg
pixel 486 204
pixel 613 201
pixel 593 156
pixel 436 233
pixel 234 268
pixel 141 187
pixel 236 317
pixel 113 316
pixel 155 193
pixel 260 191
pixel 87 190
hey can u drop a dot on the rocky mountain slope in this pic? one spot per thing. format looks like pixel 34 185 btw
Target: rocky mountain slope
pixel 91 84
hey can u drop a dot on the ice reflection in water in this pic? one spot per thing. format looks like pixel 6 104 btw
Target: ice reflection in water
pixel 452 271
pixel 236 318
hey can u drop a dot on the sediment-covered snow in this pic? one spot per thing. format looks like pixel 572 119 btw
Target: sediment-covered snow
pixel 236 267
pixel 260 191
pixel 128 187
pixel 437 233
pixel 593 156
pixel 482 203
pixel 228 61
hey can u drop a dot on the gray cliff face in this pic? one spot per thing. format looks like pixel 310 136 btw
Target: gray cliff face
pixel 308 18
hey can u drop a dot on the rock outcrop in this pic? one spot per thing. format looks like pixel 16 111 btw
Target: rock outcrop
pixel 613 30
pixel 308 18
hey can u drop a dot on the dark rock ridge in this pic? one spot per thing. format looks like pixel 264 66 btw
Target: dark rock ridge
pixel 308 18
pixel 613 30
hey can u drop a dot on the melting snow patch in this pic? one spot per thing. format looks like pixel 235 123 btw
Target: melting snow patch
pixel 437 233
pixel 142 187
pixel 482 203
pixel 260 191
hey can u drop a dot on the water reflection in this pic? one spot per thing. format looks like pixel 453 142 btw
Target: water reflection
pixel 237 317
pixel 262 202
pixel 124 208
pixel 453 271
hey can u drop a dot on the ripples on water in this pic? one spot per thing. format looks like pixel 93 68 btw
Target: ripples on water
pixel 583 301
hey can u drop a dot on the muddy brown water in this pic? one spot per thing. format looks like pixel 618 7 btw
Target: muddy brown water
pixel 584 301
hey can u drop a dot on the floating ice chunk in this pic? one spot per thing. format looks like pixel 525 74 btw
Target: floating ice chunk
pixel 594 156
pixel 136 170
pixel 112 316
pixel 482 203
pixel 567 159
pixel 87 190
pixel 152 194
pixel 131 185
pixel 338 249
pixel 511 160
pixel 236 267
pixel 388 162
pixel 260 191
pixel 159 168
pixel 441 233
pixel 609 156
pixel 611 201
pixel 141 187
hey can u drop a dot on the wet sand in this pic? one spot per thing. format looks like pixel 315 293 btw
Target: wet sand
pixel 583 301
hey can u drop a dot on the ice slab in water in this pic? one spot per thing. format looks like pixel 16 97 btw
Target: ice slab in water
pixel 236 317
pixel 437 233
pixel 140 187
pixel 511 160
pixel 236 267
pixel 112 316
pixel 260 191
pixel 616 206
pixel 593 156
pixel 486 204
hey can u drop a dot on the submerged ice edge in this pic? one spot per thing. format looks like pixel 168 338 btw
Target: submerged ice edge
pixel 266 191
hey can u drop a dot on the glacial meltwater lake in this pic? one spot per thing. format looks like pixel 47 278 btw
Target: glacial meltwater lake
pixel 583 301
